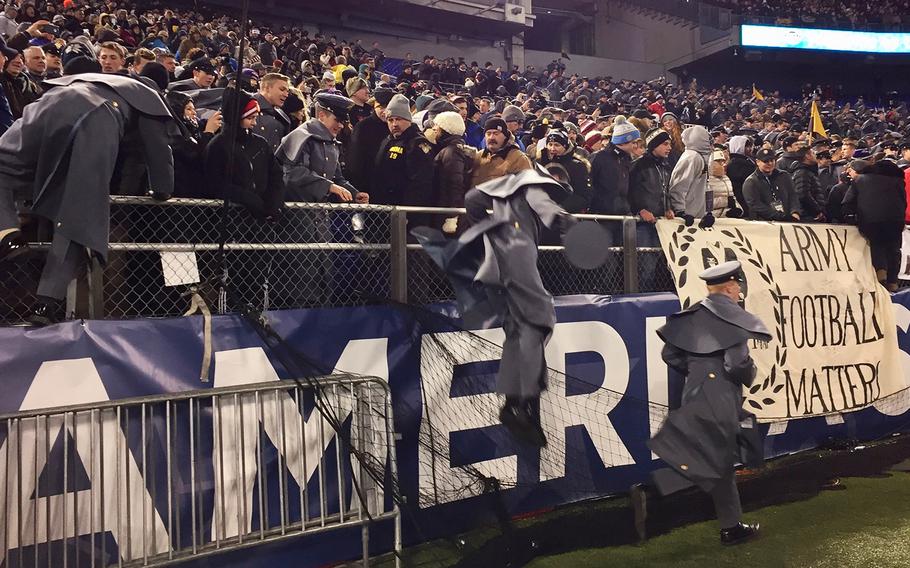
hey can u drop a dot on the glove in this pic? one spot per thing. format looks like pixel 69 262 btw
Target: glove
pixel 688 219
pixel 707 221
pixel 158 196
pixel 450 225
pixel 735 213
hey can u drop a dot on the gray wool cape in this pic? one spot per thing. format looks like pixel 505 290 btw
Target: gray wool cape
pixel 710 432
pixel 63 152
pixel 493 269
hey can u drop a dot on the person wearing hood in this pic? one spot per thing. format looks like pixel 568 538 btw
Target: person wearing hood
pixel 309 156
pixel 702 439
pixel 501 157
pixel 403 170
pixel 256 179
pixel 451 167
pixel 740 166
pixel 189 147
pixel 879 199
pixel 790 145
pixel 611 169
pixel 493 269
pixel 689 181
pixel 63 155
pixel 559 150
pixel 366 138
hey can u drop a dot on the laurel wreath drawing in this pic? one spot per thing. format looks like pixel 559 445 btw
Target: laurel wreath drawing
pixel 679 254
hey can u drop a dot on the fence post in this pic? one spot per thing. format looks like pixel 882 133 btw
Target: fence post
pixel 398 256
pixel 630 255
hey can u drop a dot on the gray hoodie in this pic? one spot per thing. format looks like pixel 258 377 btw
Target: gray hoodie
pixel 689 181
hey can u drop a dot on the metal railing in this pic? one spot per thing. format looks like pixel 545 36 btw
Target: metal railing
pixel 315 255
pixel 186 475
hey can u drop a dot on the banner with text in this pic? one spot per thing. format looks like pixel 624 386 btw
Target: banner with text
pixel 814 287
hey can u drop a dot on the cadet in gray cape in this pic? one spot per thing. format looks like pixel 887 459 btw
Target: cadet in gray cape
pixel 499 251
pixel 704 439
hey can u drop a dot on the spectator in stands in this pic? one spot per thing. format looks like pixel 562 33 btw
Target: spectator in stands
pixel 366 138
pixel 54 65
pixel 256 180
pixel 721 188
pixel 835 211
pixel 879 199
pixel 273 124
pixel 20 90
pixel 35 64
pixel 689 181
pixel 63 155
pixel 203 75
pixel 169 62
pixel 790 145
pixel 403 173
pixel 649 181
pixel 358 91
pixel 112 58
pixel 670 123
pixel 769 191
pixel 827 177
pixel 559 150
pixel 515 120
pixel 189 148
pixel 610 171
pixel 806 185
pixel 474 133
pixel 8 21
pixel 141 57
pixel 328 81
pixel 309 156
pixel 740 166
pixel 452 166
pixel 501 157
pixel 6 114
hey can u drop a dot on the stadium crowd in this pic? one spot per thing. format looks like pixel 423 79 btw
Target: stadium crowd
pixel 108 97
pixel 857 13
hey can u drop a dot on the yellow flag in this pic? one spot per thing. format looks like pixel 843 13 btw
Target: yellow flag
pixel 756 94
pixel 815 123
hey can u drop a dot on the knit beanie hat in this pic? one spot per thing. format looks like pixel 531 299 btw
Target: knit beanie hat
pixel 422 101
pixel 383 95
pixel 450 122
pixel 559 137
pixel 250 108
pixel 354 84
pixel 623 131
pixel 667 115
pixel 497 123
pixel 586 127
pixel 592 138
pixel 512 113
pixel 399 107
pixel 655 137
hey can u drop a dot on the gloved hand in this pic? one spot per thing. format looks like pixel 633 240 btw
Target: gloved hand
pixel 157 196
pixel 707 221
pixel 687 219
pixel 735 213
pixel 450 225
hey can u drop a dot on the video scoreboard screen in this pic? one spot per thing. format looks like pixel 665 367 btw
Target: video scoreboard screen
pixel 825 40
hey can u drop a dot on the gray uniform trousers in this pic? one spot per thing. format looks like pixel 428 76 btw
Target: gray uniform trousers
pixel 725 495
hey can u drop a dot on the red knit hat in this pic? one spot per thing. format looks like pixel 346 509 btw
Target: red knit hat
pixel 251 108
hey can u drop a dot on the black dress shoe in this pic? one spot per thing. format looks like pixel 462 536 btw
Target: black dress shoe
pixel 44 312
pixel 12 245
pixel 738 534
pixel 523 424
pixel 638 496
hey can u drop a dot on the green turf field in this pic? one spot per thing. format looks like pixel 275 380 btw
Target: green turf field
pixel 867 525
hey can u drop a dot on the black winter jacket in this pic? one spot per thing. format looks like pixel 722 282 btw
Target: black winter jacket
pixel 610 169
pixel 770 198
pixel 878 195
pixel 650 179
pixel 257 179
pixel 579 177
pixel 808 190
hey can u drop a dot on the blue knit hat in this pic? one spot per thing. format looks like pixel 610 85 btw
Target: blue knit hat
pixel 623 131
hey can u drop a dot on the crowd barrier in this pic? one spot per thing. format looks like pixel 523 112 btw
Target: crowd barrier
pixel 314 255
pixel 154 480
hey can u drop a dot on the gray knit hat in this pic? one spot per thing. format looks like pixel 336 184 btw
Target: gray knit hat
pixel 513 114
pixel 399 107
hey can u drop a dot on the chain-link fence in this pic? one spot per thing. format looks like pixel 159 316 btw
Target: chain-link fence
pixel 313 255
